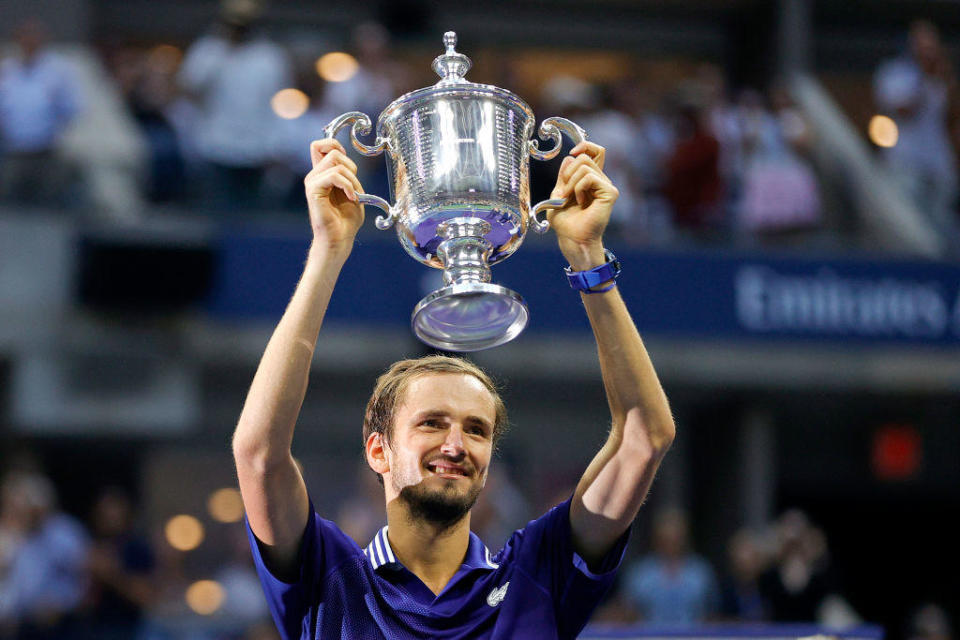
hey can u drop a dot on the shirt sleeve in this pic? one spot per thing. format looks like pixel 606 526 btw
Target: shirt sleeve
pixel 292 604
pixel 544 550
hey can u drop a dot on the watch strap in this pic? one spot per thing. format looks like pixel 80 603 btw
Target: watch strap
pixel 590 278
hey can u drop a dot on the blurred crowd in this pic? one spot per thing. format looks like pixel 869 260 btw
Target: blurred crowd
pixel 109 576
pixel 224 127
pixel 781 572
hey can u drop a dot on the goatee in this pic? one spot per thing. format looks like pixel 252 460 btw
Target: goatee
pixel 440 508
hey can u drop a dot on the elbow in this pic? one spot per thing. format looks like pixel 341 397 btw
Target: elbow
pixel 252 454
pixel 662 437
pixel 649 435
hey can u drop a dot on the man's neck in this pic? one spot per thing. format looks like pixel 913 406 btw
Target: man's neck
pixel 432 553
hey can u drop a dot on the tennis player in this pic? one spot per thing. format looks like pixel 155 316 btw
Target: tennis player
pixel 429 432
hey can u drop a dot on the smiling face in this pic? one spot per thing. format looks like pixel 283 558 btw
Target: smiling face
pixel 438 454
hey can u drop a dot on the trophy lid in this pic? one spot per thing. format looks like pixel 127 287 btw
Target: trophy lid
pixel 451 66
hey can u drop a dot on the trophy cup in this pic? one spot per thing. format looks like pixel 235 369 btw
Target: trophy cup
pixel 457 157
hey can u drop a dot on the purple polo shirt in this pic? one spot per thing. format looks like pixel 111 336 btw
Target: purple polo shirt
pixel 535 587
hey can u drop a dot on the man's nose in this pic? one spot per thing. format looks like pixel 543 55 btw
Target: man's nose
pixel 453 443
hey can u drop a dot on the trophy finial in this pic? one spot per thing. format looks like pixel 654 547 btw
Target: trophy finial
pixel 450 41
pixel 451 66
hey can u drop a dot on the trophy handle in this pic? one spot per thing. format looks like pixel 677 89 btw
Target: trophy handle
pixel 551 128
pixel 541 226
pixel 383 222
pixel 361 125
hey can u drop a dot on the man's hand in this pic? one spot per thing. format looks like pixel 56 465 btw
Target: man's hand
pixel 332 187
pixel 590 196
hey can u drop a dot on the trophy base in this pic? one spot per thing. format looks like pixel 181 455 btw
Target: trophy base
pixel 470 316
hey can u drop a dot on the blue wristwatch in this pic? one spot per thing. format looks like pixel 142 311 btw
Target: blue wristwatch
pixel 586 280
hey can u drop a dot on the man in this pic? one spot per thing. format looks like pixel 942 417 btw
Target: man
pixel 232 73
pixel 38 100
pixel 918 89
pixel 429 433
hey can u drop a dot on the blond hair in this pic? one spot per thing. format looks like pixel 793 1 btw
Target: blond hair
pixel 391 385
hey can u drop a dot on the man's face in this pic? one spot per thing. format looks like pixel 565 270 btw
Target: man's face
pixel 441 445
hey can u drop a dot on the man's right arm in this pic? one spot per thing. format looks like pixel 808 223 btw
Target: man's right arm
pixel 274 493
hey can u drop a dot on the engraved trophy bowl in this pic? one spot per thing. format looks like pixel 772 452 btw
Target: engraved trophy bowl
pixel 458 161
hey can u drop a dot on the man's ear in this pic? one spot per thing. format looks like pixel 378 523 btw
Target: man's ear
pixel 376 453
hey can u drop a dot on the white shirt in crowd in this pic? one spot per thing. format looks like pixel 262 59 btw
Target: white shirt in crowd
pixel 234 83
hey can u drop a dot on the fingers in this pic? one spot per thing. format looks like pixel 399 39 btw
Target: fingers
pixel 338 179
pixel 592 149
pixel 573 171
pixel 589 185
pixel 585 152
pixel 332 168
pixel 588 182
pixel 320 148
pixel 336 157
pixel 320 182
pixel 572 164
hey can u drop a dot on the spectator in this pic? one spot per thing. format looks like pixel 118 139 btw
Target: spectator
pixel 741 599
pixel 38 100
pixel 500 510
pixel 672 585
pixel 800 586
pixel 361 513
pixel 243 603
pixel 693 186
pixel 916 89
pixel 233 73
pixel 148 83
pixel 780 190
pixel 121 568
pixel 44 585
pixel 653 149
pixel 724 124
pixel 930 622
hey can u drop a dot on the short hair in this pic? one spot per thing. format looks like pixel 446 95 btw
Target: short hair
pixel 392 384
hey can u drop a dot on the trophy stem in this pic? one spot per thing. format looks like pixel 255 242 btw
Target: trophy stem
pixel 464 250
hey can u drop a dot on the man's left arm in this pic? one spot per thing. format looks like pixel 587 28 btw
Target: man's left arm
pixel 616 482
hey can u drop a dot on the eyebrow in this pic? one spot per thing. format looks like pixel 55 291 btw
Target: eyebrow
pixel 442 413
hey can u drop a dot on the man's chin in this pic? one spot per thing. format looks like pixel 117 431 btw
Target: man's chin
pixel 443 506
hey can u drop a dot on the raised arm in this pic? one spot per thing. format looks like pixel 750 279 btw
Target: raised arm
pixel 616 482
pixel 274 494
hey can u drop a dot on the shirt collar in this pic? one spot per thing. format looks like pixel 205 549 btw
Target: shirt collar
pixel 380 554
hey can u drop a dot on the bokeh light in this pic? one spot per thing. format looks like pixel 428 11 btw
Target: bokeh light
pixel 337 66
pixel 883 131
pixel 225 505
pixel 289 104
pixel 205 596
pixel 184 532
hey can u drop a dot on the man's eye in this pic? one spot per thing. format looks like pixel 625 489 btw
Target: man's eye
pixel 480 431
pixel 430 422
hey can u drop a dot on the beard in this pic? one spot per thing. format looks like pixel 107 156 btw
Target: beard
pixel 442 508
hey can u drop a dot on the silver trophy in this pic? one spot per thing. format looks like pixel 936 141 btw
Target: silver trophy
pixel 460 182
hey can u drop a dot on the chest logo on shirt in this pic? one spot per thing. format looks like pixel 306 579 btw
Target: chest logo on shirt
pixel 498 594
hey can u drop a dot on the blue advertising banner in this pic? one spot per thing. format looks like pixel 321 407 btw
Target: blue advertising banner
pixel 696 294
